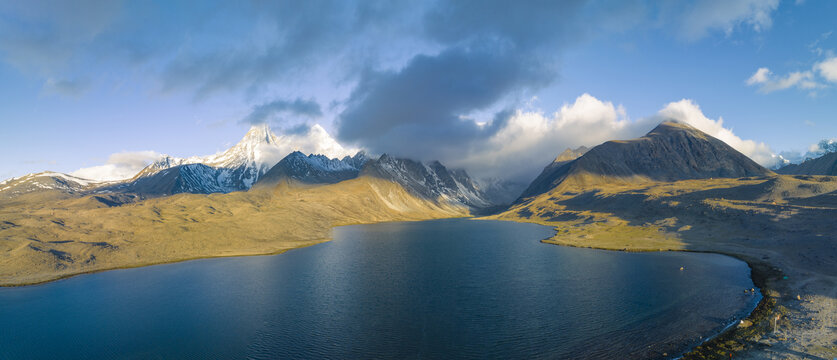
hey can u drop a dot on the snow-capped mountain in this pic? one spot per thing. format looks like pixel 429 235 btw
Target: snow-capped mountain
pixel 256 158
pixel 314 169
pixel 237 168
pixel 432 180
pixel 45 181
pixel 242 165
pixel 185 178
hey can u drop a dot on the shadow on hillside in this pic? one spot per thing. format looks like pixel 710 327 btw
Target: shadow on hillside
pixel 803 235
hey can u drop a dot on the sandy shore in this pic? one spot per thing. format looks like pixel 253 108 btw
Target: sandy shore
pixel 783 227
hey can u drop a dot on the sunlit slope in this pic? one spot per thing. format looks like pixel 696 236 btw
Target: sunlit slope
pixel 40 241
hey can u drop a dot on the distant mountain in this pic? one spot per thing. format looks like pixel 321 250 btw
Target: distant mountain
pixel 235 169
pixel 314 169
pixel 672 151
pixel 499 191
pixel 185 178
pixel 49 181
pixel 823 165
pixel 431 181
pixel 253 160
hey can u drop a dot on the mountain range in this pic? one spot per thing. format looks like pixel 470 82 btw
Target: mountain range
pixel 251 162
pixel 676 188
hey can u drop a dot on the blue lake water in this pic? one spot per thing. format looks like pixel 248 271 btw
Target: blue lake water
pixel 435 289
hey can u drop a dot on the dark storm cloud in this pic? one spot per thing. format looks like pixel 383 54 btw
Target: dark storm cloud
pixel 427 95
pixel 295 36
pixel 493 50
pixel 270 111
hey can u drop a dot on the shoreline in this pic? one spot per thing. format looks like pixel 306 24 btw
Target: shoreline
pixel 137 266
pixel 734 339
pixel 175 261
pixel 733 335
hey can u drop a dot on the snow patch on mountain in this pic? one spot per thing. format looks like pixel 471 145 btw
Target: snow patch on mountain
pixel 315 168
pixel 46 180
pixel 241 166
pixel 429 180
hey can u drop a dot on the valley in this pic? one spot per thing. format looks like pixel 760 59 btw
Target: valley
pixel 676 189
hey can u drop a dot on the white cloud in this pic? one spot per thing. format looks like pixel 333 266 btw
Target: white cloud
pixel 828 69
pixel 314 141
pixel 804 80
pixel 761 76
pixel 531 139
pixel 526 142
pixel 706 16
pixel 688 112
pixel 120 166
pixel 768 83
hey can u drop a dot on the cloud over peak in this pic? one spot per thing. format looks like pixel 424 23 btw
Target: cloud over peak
pixel 119 166
pixel 529 140
pixel 687 111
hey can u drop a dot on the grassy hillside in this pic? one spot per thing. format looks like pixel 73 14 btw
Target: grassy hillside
pixel 784 226
pixel 49 235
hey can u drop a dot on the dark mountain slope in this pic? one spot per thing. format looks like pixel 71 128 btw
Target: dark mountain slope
pixel 314 169
pixel 671 152
pixel 823 165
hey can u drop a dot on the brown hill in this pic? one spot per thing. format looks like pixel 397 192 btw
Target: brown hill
pixel 671 152
pixel 823 165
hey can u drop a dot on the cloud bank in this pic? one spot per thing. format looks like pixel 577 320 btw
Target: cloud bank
pixel 119 166
pixel 529 140
pixel 412 74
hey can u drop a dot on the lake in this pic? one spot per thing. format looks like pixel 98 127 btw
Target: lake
pixel 439 289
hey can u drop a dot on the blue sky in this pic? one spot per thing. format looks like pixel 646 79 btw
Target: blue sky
pixel 495 87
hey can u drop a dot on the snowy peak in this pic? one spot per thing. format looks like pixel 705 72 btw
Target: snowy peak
pixel 259 134
pixel 314 169
pixel 237 168
pixel 257 149
pixel 823 165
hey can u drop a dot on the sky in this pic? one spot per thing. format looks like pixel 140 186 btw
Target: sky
pixel 496 87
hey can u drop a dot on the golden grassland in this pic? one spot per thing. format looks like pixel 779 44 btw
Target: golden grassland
pixel 783 226
pixel 47 236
